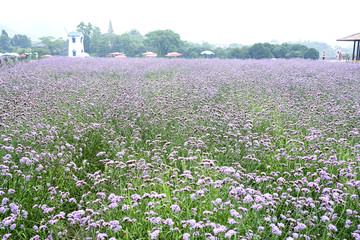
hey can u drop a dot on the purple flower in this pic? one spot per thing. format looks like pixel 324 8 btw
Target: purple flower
pixel 37 237
pixel 175 208
pixel 100 154
pixel 14 208
pixel 234 213
pixel 219 229
pixel 248 199
pixel 186 236
pixel 325 218
pixel 125 207
pixel 257 207
pixel 232 221
pixel 11 191
pixel 4 201
pixel 275 229
pixel 6 236
pixel 113 205
pixel 155 234
pixel 9 148
pixel 7 157
pixel 169 222
pixel 101 236
pixel 299 227
pixel 348 223
pixel 230 233
pixel 332 227
pixel 13 226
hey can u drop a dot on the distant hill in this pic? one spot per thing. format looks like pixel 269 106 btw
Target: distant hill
pixel 35 30
pixel 321 46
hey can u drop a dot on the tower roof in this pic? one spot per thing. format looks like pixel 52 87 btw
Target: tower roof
pixel 75 34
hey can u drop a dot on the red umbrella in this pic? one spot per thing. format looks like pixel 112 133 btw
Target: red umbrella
pixel 22 55
pixel 173 54
pixel 150 54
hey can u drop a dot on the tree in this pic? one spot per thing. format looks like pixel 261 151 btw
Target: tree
pixel 136 36
pixel 234 45
pixel 21 41
pixel 234 53
pixel 311 53
pixel 192 50
pixel 55 47
pixel 295 54
pixel 239 53
pixel 105 45
pixel 280 51
pixel 121 43
pixel 95 42
pixel 111 30
pixel 162 41
pixel 41 51
pixel 87 30
pixel 258 51
pixel 5 41
pixel 244 52
pixel 269 46
pixel 138 41
pixel 298 47
pixel 220 52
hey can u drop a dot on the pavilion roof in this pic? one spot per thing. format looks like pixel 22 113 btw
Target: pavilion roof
pixel 354 37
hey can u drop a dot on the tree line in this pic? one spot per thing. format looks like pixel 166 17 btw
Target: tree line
pixel 133 44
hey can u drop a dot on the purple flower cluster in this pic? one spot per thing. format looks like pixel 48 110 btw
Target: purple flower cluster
pixel 179 149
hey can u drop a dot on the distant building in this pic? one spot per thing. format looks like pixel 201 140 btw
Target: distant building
pixel 76 44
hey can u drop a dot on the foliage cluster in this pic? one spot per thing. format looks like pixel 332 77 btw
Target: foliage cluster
pixel 18 42
pixel 163 41
pixel 22 43
pixel 267 50
pixel 133 44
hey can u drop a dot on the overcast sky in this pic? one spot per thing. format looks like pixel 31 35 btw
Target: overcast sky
pixel 224 21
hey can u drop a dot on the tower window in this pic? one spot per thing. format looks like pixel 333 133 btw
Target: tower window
pixel 73 39
pixel 74 53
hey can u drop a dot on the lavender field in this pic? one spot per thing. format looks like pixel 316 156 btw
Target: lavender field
pixel 179 149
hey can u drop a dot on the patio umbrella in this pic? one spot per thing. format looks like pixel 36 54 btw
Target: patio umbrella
pixel 151 55
pixel 207 53
pixel 121 56
pixel 148 53
pixel 173 54
pixel 11 54
pixel 22 55
pixel 116 54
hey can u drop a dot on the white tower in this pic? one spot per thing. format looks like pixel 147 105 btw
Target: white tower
pixel 76 44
